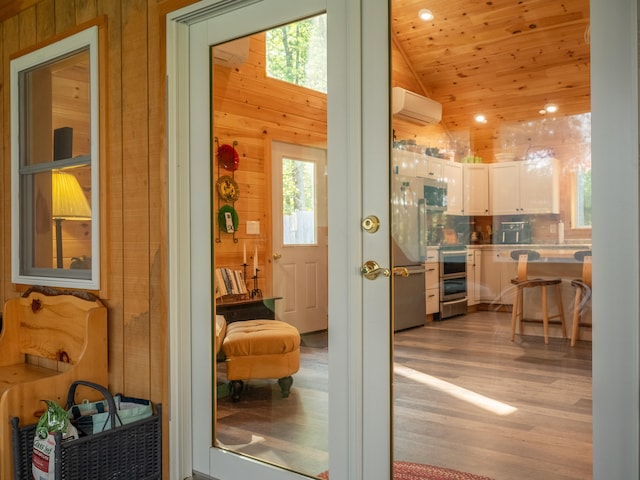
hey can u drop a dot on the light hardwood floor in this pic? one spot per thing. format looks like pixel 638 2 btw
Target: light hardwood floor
pixel 465 397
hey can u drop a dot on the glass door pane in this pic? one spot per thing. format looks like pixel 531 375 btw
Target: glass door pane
pixel 477 386
pixel 271 385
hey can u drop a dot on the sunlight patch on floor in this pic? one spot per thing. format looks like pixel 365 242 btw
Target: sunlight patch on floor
pixel 460 393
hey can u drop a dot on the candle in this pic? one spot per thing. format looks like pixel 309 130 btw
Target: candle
pixel 255 263
pixel 244 253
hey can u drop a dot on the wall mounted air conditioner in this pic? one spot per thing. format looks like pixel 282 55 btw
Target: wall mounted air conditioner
pixel 231 54
pixel 415 108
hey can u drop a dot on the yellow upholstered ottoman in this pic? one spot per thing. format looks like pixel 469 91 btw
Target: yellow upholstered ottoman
pixel 258 349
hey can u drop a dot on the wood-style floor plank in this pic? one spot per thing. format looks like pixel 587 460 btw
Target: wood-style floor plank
pixel 546 435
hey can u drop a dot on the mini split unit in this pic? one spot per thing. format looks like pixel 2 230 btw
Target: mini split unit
pixel 415 108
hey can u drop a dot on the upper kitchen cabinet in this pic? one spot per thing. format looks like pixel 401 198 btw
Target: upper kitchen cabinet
pixel 467 188
pixel 476 189
pixel 431 167
pixel 526 187
pixel 453 175
pixel 404 163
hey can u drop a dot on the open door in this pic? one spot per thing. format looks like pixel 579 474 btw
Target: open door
pixel 359 362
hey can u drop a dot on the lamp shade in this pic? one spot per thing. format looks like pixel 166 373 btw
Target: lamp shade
pixel 69 201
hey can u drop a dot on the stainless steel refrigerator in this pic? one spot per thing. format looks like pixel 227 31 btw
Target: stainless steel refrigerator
pixel 409 232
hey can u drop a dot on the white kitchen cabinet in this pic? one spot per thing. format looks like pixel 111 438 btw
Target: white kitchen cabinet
pixel 527 187
pixel 474 275
pixel 405 163
pixel 476 189
pixel 467 188
pixel 497 271
pixel 430 167
pixel 455 188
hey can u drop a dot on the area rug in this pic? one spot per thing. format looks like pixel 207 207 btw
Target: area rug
pixel 418 471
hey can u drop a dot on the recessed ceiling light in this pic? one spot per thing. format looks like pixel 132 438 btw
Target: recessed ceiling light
pixel 551 107
pixel 425 15
pixel 480 118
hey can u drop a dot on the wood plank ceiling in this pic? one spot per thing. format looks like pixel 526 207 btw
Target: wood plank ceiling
pixel 505 59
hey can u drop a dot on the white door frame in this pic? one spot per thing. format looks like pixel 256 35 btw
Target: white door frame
pixel 616 261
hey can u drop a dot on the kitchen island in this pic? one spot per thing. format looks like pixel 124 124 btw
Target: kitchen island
pixel 556 261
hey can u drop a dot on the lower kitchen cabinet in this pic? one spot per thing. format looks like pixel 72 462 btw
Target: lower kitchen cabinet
pixel 498 269
pixel 432 287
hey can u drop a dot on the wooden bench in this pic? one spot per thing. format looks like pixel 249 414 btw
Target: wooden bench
pixel 48 340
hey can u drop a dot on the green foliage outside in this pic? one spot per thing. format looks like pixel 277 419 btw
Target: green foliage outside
pixel 296 53
pixel 297 186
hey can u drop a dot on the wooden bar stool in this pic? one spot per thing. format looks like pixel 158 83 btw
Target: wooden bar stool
pixel 522 282
pixel 583 294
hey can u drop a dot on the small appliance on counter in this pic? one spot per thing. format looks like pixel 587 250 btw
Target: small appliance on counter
pixel 514 233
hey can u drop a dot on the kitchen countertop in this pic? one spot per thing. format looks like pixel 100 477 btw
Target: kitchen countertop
pixel 528 246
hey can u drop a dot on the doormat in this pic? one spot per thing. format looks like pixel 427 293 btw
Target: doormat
pixel 418 471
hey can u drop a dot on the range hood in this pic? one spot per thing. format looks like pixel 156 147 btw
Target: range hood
pixel 415 108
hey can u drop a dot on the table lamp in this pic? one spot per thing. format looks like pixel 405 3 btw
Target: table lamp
pixel 69 203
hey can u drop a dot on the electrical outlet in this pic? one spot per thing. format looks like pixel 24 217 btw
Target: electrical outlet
pixel 552 228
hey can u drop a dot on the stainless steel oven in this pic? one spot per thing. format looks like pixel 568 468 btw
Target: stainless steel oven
pixel 453 280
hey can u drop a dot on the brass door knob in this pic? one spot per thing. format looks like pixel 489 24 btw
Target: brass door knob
pixel 370 270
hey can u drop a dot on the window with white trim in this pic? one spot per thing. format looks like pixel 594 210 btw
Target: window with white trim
pixel 54 169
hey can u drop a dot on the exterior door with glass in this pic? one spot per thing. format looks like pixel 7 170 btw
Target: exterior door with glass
pixel 359 364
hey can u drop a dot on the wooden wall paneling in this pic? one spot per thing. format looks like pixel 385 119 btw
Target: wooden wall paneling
pixel 27 27
pixel 8 38
pixel 11 44
pixel 112 201
pixel 65 15
pixel 158 228
pixel 85 10
pixel 11 8
pixel 135 152
pixel 45 20
pixel 267 221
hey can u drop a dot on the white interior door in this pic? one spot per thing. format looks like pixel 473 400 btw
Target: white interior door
pixel 299 235
pixel 359 363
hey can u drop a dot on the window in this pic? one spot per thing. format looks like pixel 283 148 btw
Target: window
pixel 582 199
pixel 297 53
pixel 298 202
pixel 54 150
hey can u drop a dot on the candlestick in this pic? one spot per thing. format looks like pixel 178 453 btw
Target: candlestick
pixel 256 292
pixel 244 253
pixel 255 262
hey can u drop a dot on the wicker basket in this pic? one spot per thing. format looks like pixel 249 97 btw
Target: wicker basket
pixel 125 452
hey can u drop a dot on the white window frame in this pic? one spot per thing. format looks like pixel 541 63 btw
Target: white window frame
pixel 64 277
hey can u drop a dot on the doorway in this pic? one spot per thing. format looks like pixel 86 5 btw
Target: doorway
pixel 300 236
pixel 616 422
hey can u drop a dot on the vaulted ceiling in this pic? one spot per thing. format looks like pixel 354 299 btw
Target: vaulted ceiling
pixel 505 59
